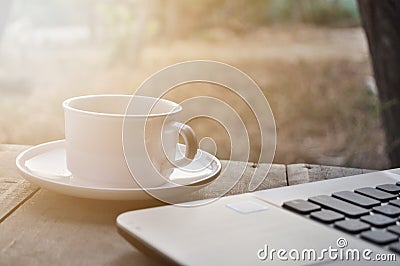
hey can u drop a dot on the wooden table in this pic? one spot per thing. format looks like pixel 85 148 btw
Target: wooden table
pixel 40 227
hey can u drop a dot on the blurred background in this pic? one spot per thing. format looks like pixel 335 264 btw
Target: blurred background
pixel 310 58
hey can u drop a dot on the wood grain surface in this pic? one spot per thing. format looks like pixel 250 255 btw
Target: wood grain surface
pixel 304 173
pixel 40 227
pixel 14 190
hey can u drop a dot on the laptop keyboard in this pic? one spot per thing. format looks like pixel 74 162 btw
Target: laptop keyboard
pixel 370 213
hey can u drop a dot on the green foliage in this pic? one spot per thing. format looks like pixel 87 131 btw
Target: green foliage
pixel 244 13
pixel 280 10
pixel 186 16
pixel 331 12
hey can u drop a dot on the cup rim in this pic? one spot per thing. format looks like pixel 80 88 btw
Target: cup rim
pixel 67 106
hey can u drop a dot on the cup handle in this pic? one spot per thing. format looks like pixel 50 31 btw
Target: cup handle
pixel 191 143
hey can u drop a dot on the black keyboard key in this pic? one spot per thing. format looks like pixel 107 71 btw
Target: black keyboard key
pixel 340 206
pixel 356 199
pixel 301 206
pixel 398 183
pixel 352 226
pixel 375 193
pixel 379 237
pixel 327 216
pixel 378 220
pixel 395 247
pixel 388 210
pixel 395 202
pixel 394 229
pixel 389 188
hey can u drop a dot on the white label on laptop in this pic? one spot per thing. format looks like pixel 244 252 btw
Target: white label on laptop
pixel 247 206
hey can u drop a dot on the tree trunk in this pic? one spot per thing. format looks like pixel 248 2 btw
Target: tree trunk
pixel 381 22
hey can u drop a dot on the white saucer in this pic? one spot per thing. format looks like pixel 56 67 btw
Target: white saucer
pixel 45 166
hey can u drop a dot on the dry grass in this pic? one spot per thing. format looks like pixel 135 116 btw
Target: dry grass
pixel 325 115
pixel 313 79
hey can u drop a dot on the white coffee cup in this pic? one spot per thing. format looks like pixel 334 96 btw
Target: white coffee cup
pixel 94 139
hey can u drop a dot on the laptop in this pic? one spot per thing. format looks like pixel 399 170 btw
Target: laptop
pixel 352 220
